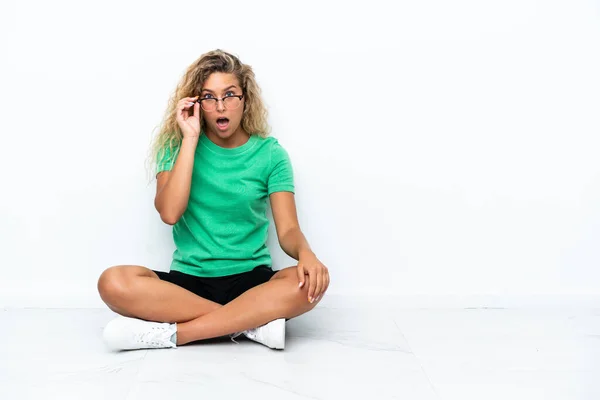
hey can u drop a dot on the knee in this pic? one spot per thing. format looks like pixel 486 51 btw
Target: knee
pixel 299 296
pixel 112 284
pixel 303 295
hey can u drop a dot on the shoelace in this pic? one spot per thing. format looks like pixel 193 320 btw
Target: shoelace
pixel 234 335
pixel 149 337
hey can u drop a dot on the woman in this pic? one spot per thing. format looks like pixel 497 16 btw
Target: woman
pixel 216 167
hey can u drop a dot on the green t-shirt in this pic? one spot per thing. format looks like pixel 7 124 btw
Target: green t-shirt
pixel 225 226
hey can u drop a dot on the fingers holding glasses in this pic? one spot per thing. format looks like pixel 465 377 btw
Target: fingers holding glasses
pixel 189 125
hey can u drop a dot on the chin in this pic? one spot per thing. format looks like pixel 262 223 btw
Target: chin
pixel 224 135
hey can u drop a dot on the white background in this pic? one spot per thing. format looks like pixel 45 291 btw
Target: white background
pixel 440 148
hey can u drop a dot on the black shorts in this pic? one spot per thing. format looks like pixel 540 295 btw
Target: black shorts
pixel 221 289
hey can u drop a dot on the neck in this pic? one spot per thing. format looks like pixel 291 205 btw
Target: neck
pixel 238 138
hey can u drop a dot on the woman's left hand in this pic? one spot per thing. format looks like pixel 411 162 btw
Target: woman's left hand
pixel 318 274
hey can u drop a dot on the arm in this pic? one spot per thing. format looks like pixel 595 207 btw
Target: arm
pixel 294 244
pixel 173 187
pixel 291 239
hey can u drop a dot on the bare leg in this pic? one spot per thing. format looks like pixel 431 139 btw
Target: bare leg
pixel 279 298
pixel 135 291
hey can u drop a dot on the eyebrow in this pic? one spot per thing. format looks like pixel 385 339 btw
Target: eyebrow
pixel 226 89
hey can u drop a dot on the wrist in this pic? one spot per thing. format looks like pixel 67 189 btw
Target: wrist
pixel 305 253
pixel 190 140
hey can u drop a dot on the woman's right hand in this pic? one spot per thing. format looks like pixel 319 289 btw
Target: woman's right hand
pixel 189 125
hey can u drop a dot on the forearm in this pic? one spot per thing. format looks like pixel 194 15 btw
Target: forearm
pixel 294 244
pixel 172 200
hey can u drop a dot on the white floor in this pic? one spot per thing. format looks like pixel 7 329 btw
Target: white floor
pixel 331 354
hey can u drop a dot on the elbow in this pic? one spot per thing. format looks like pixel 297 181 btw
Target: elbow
pixel 169 219
pixel 169 213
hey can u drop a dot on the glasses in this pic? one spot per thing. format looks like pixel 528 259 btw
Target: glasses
pixel 229 102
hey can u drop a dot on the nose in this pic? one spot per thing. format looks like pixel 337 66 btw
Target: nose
pixel 220 105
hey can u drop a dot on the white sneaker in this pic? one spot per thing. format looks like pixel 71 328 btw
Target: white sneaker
pixel 124 333
pixel 271 335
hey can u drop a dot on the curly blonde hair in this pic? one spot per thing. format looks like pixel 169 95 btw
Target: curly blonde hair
pixel 254 119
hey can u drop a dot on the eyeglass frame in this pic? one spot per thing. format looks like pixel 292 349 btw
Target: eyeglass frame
pixel 222 100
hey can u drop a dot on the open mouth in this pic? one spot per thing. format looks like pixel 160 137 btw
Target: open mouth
pixel 223 123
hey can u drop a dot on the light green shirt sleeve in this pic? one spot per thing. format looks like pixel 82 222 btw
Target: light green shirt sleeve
pixel 281 176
